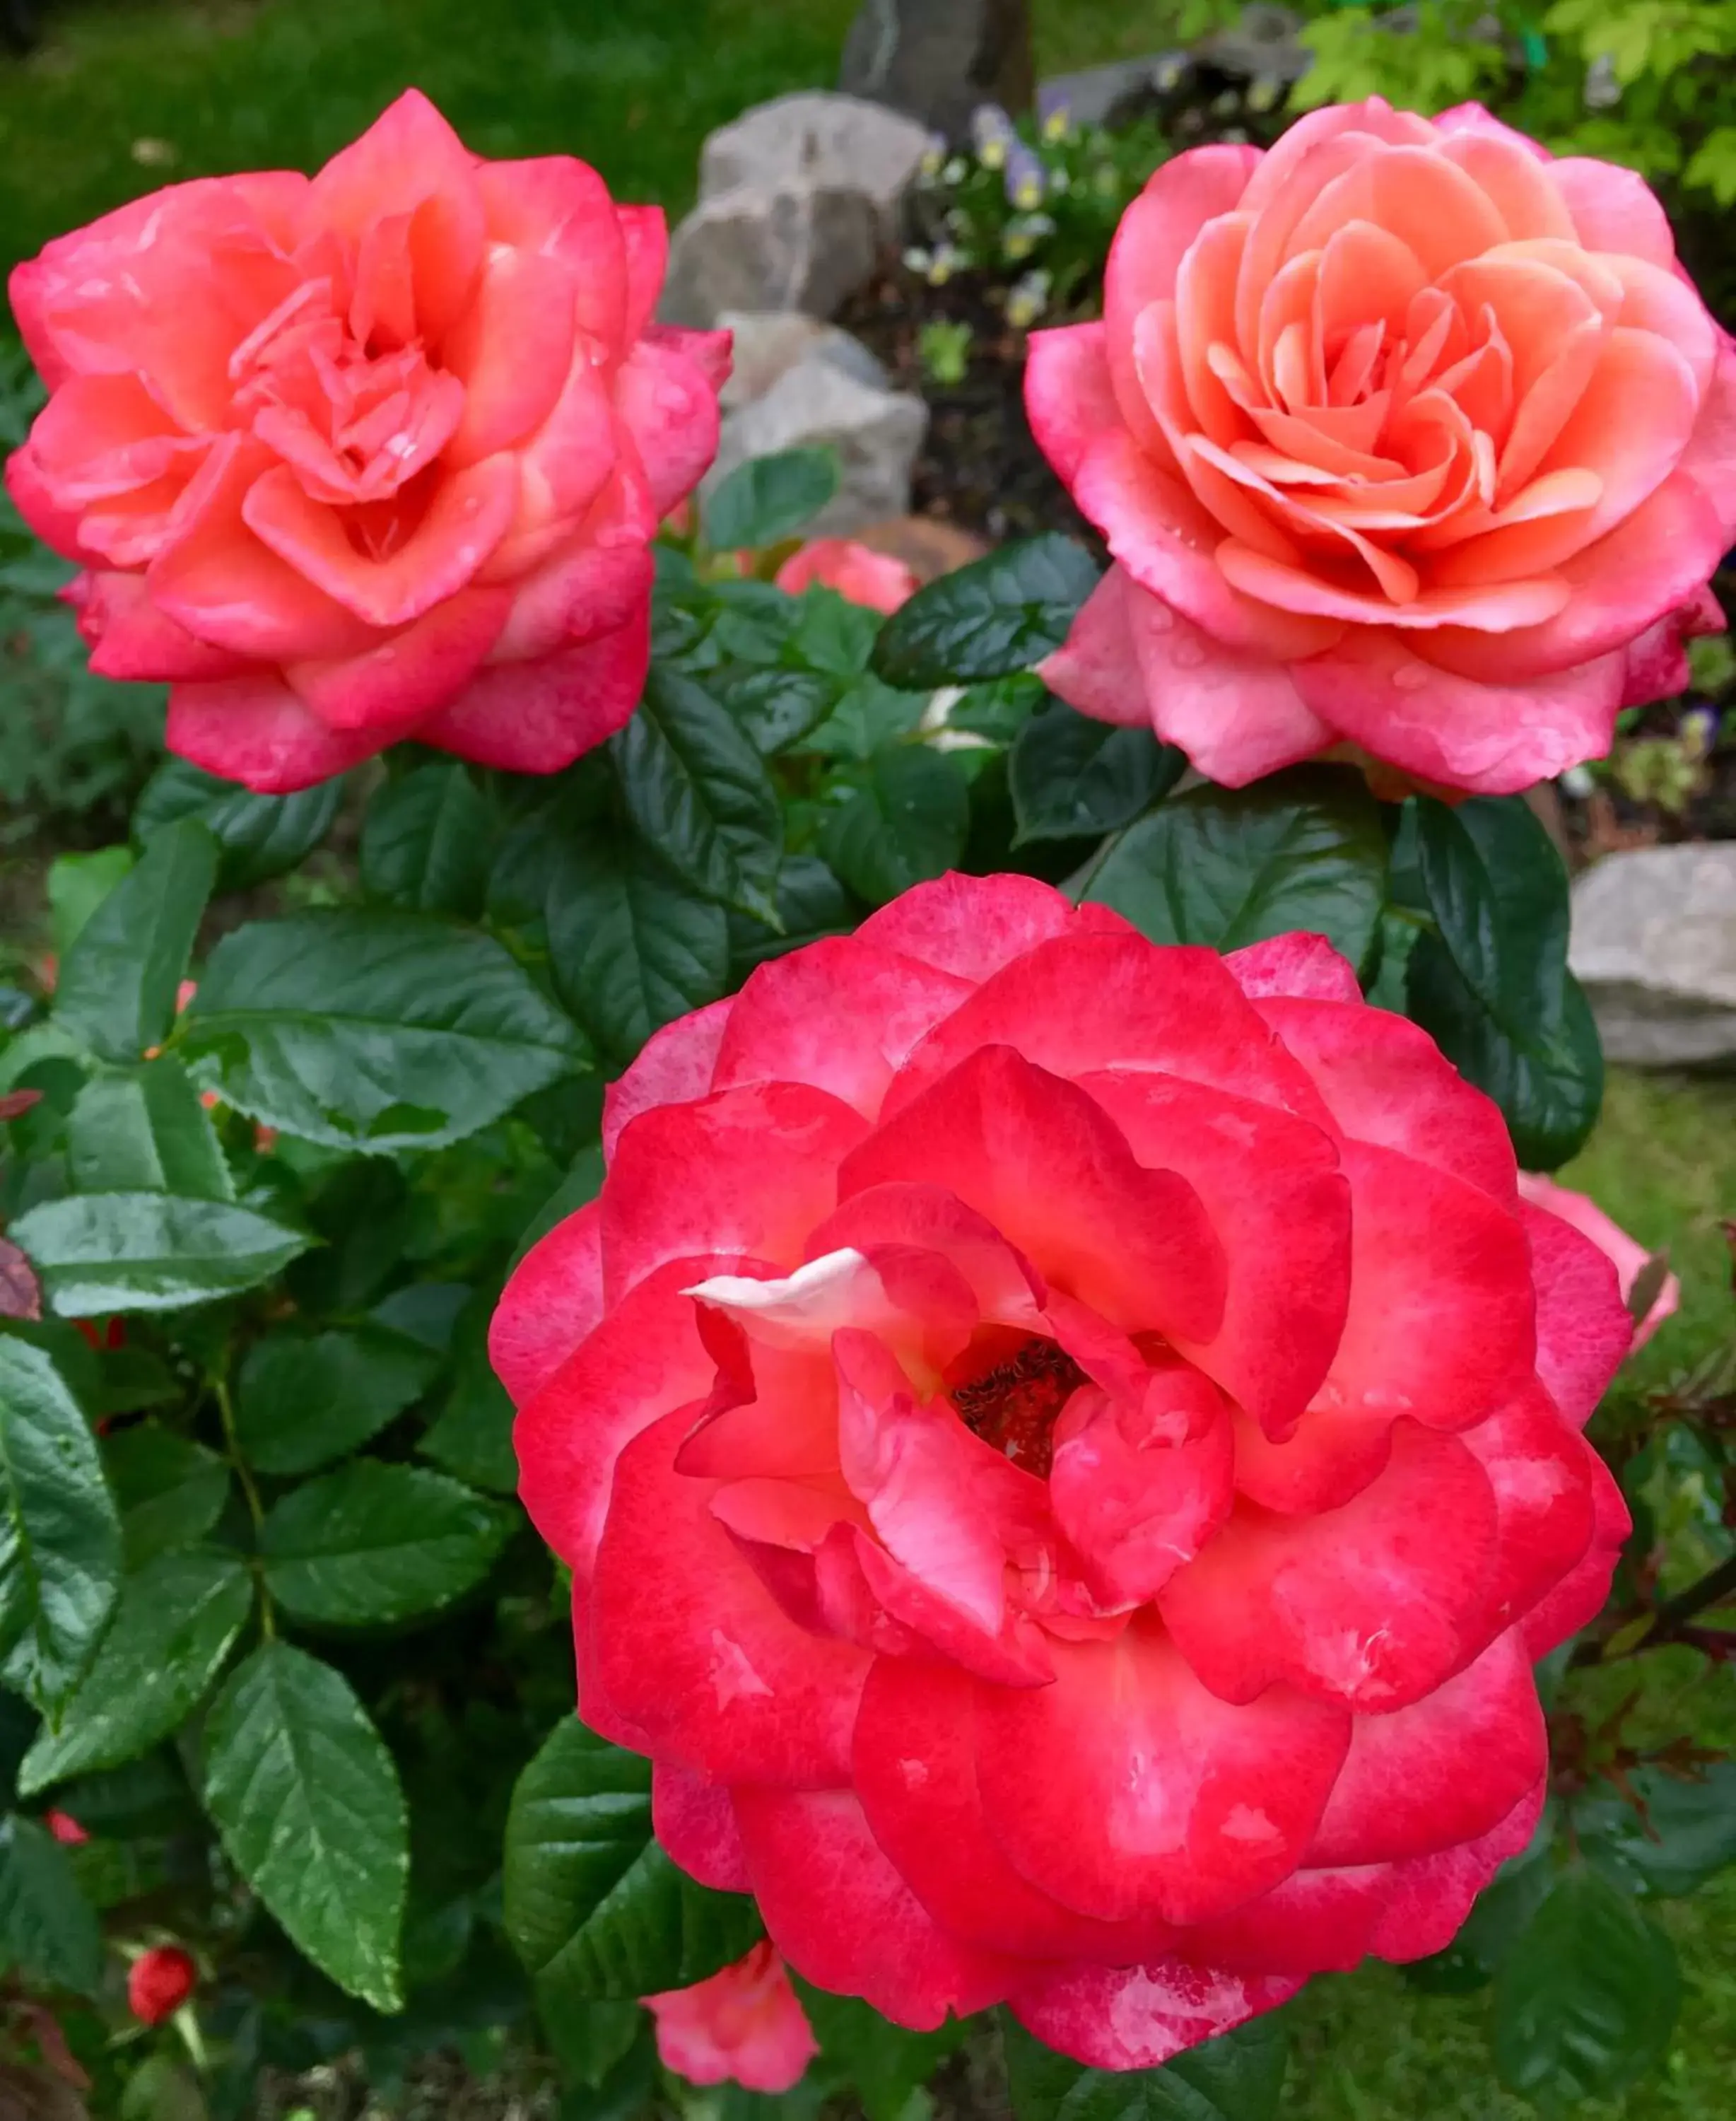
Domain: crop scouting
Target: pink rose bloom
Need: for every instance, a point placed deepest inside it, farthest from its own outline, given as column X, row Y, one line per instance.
column 1404, row 435
column 375, row 454
column 744, row 2026
column 856, row 571
column 1068, row 1451
column 1629, row 1258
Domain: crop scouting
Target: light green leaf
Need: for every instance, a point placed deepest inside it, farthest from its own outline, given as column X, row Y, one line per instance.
column 118, row 982
column 306, row 1799
column 372, row 1544
column 591, row 1902
column 59, row 1535
column 178, row 1620
column 302, row 1400
column 374, row 1030
column 98, row 1252
column 146, row 1132
column 769, row 499
column 47, row 1927
column 78, row 885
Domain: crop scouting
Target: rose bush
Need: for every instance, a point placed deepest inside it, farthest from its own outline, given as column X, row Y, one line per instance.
column 1402, row 435
column 742, row 2026
column 369, row 456
column 1068, row 1452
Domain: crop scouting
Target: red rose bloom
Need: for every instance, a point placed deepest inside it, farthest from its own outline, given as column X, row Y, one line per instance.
column 158, row 1983
column 1068, row 1451
column 374, row 454
column 744, row 2026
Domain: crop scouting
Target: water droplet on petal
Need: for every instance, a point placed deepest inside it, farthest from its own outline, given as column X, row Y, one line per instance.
column 1187, row 653
column 1159, row 617
column 1411, row 677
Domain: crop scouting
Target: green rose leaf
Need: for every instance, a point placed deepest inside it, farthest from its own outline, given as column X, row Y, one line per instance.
column 1586, row 1999
column 374, row 1030
column 306, row 1799
column 60, row 1546
column 777, row 708
column 1224, row 868
column 1550, row 1087
column 632, row 949
column 302, row 1399
column 698, row 793
column 1682, row 1832
column 1072, row 777
column 178, row 1620
column 118, row 982
column 771, row 499
column 98, row 1252
column 47, row 1927
column 372, row 1544
column 907, row 822
column 169, row 1490
column 78, row 885
column 882, row 2064
column 1238, row 2076
column 998, row 615
column 471, row 1438
column 259, row 836
column 146, row 1132
column 591, row 1902
column 1497, row 888
column 425, row 843
column 811, row 902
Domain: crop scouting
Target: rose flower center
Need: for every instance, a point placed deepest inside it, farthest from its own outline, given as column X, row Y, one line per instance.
column 1014, row 1403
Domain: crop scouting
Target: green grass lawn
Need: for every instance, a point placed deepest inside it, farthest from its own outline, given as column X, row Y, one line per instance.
column 125, row 95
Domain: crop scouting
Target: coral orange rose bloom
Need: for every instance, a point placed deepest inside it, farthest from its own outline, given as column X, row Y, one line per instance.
column 374, row 454
column 1403, row 435
column 1068, row 1451
column 856, row 571
column 745, row 2025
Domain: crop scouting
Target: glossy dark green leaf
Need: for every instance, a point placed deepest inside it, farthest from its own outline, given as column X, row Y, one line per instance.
column 870, row 716
column 1550, row 1087
column 1586, row 1999
column 1498, row 889
column 60, row 1546
column 811, row 902
column 832, row 634
column 698, row 793
column 1226, row 868
column 775, row 707
column 178, row 1619
column 377, row 1030
column 304, row 1399
column 471, row 1438
column 1680, row 1833
column 98, row 1252
column 1238, row 2076
column 425, row 843
column 306, row 1799
column 590, row 1900
column 582, row 1183
column 907, row 822
column 1072, row 777
column 372, row 1544
column 260, row 837
column 118, row 982
column 169, row 1490
column 146, row 1132
column 47, row 1928
column 632, row 948
column 769, row 499
column 995, row 616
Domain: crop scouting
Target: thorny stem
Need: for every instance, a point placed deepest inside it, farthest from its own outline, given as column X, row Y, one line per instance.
column 1669, row 1622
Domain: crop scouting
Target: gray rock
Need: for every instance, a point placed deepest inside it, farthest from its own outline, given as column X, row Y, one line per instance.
column 768, row 342
column 1654, row 946
column 798, row 198
column 876, row 433
column 1113, row 95
column 939, row 59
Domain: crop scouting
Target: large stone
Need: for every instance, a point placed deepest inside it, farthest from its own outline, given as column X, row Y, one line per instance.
column 767, row 343
column 1265, row 45
column 1654, row 946
column 875, row 432
column 939, row 59
column 798, row 199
